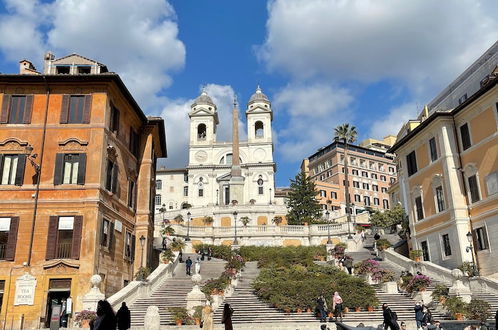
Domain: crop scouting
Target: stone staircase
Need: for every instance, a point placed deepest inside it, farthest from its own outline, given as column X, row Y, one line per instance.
column 173, row 292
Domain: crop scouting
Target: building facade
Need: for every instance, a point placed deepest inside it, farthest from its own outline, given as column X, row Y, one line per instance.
column 77, row 164
column 371, row 173
column 448, row 177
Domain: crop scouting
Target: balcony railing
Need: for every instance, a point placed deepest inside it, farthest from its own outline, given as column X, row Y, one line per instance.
column 64, row 250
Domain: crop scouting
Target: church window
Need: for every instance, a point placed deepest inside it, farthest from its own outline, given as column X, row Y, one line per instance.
column 259, row 129
column 201, row 132
column 260, row 185
column 201, row 188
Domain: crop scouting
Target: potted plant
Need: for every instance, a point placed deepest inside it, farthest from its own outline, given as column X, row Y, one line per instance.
column 418, row 283
column 383, row 244
column 142, row 274
column 178, row 218
column 468, row 269
column 167, row 231
column 179, row 314
column 277, row 220
column 339, row 249
column 167, row 256
column 207, row 220
column 440, row 293
column 478, row 310
column 416, row 255
column 197, row 315
column 252, row 201
column 245, row 220
column 83, row 318
column 456, row 307
column 177, row 245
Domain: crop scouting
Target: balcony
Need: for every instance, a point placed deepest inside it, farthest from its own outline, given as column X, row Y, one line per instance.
column 64, row 250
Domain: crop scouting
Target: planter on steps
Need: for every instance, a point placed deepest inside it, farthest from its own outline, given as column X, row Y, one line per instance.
column 390, row 287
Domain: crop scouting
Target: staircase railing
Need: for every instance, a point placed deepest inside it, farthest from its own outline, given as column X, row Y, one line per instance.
column 139, row 289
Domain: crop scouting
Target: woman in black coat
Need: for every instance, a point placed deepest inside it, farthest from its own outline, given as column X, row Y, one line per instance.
column 106, row 319
column 227, row 317
column 390, row 320
column 123, row 317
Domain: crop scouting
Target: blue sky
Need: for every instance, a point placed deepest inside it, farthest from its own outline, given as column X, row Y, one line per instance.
column 322, row 62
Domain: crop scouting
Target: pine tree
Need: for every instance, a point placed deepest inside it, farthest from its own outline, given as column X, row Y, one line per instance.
column 301, row 202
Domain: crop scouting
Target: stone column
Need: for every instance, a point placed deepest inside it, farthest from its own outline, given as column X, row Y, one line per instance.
column 93, row 296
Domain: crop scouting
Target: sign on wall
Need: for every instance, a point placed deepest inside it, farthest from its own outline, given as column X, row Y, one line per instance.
column 4, row 224
column 25, row 290
column 118, row 226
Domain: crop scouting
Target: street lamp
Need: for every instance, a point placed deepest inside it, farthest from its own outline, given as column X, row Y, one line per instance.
column 217, row 198
column 162, row 210
column 470, row 249
column 327, row 214
column 270, row 196
column 235, row 241
column 142, row 243
column 188, row 227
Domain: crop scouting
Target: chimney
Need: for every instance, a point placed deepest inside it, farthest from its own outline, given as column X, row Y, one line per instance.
column 49, row 57
column 26, row 67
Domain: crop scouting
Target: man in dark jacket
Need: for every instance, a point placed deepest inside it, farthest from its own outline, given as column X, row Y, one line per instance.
column 419, row 315
column 348, row 263
column 124, row 317
column 390, row 318
column 188, row 266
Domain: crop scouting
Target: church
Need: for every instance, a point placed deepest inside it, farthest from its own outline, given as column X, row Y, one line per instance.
column 223, row 176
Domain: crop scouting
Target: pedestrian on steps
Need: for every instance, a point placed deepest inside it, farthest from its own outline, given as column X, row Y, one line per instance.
column 337, row 306
column 390, row 318
column 419, row 315
column 123, row 317
column 188, row 266
column 197, row 266
column 348, row 263
column 322, row 308
column 427, row 318
column 207, row 317
column 106, row 319
column 227, row 317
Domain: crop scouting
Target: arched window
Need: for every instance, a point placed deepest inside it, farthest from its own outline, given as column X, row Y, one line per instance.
column 260, row 185
column 201, row 132
column 259, row 129
column 226, row 160
column 201, row 187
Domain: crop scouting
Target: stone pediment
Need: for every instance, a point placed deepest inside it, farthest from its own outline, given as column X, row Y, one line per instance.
column 14, row 145
column 60, row 263
column 73, row 144
column 224, row 177
column 201, row 112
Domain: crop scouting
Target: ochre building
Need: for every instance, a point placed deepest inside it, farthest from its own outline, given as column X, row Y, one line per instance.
column 77, row 169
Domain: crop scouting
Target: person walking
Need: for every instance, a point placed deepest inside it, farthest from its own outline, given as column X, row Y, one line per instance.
column 188, row 266
column 427, row 317
column 106, row 319
column 197, row 266
column 210, row 253
column 419, row 315
column 337, row 306
column 227, row 317
column 207, row 317
column 322, row 308
column 390, row 318
column 348, row 263
column 123, row 317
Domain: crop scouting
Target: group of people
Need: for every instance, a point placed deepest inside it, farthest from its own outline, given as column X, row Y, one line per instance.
column 346, row 262
column 337, row 307
column 423, row 318
column 205, row 253
column 108, row 320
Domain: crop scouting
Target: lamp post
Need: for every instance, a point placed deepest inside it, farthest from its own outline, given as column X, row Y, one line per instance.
column 327, row 214
column 470, row 249
column 188, row 227
column 162, row 210
column 270, row 196
column 142, row 244
column 217, row 198
column 235, row 241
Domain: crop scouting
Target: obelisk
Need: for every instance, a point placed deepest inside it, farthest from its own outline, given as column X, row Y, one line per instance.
column 236, row 180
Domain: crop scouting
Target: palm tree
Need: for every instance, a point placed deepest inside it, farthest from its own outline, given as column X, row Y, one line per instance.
column 347, row 134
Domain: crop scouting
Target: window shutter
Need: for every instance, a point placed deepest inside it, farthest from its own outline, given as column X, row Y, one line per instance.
column 4, row 116
column 87, row 108
column 65, row 109
column 59, row 167
column 114, row 181
column 111, row 239
column 28, row 109
column 52, row 237
column 1, row 164
column 116, row 121
column 10, row 251
column 133, row 238
column 21, row 165
column 101, row 240
column 82, row 169
column 76, row 243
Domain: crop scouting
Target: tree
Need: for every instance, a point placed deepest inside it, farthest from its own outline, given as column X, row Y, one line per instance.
column 389, row 218
column 301, row 202
column 207, row 220
column 347, row 134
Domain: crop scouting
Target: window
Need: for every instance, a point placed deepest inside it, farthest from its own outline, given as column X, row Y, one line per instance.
column 201, row 132
column 375, row 187
column 159, row 184
column 473, row 188
column 366, row 200
column 12, row 169
column 114, row 126
column 324, row 206
column 357, row 198
column 129, row 252
column 373, row 176
column 158, row 200
column 356, row 184
column 465, row 135
column 71, row 164
column 104, row 237
column 462, row 98
column 134, row 142
column 333, row 194
column 366, row 186
column 383, row 178
column 411, row 161
column 76, row 106
column 16, row 109
column 425, row 251
column 62, row 69
column 323, row 193
column 200, row 191
column 355, row 172
column 492, row 183
column 364, row 174
column 185, row 191
column 260, row 187
column 70, row 169
column 440, row 198
column 391, row 170
column 132, row 194
column 385, row 203
column 8, row 238
column 185, row 177
column 481, row 238
column 376, row 201
column 84, row 69
column 111, row 183
column 446, row 245
column 419, row 211
column 64, row 237
column 383, row 190
column 433, row 149
column 258, row 129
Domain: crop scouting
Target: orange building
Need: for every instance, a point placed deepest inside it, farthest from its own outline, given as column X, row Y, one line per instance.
column 77, row 166
column 371, row 172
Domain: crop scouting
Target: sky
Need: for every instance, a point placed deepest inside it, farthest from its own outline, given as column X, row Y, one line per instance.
column 370, row 63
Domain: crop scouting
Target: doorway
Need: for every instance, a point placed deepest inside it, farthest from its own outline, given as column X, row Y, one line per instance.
column 58, row 293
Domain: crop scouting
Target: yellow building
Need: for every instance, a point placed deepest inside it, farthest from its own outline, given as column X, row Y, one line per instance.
column 77, row 168
column 448, row 179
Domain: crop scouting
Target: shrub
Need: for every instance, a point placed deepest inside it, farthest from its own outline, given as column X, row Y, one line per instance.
column 440, row 291
column 383, row 244
column 384, row 275
column 142, row 274
column 218, row 284
column 368, row 266
column 219, row 251
column 281, row 256
column 168, row 230
column 84, row 315
column 455, row 305
column 180, row 314
column 177, row 245
column 207, row 220
column 478, row 310
column 339, row 249
column 468, row 269
column 198, row 312
column 418, row 283
column 235, row 262
column 167, row 255
column 415, row 254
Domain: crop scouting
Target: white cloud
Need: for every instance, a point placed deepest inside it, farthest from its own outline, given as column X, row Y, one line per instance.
column 136, row 39
column 423, row 43
column 312, row 112
column 396, row 117
column 175, row 114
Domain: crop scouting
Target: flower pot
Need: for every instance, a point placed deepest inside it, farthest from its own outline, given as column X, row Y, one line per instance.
column 459, row 316
column 422, row 289
column 442, row 300
column 85, row 324
column 330, row 314
column 299, row 310
column 287, row 311
column 370, row 308
column 308, row 310
column 197, row 321
column 178, row 322
column 418, row 259
column 165, row 261
column 357, row 309
column 346, row 309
